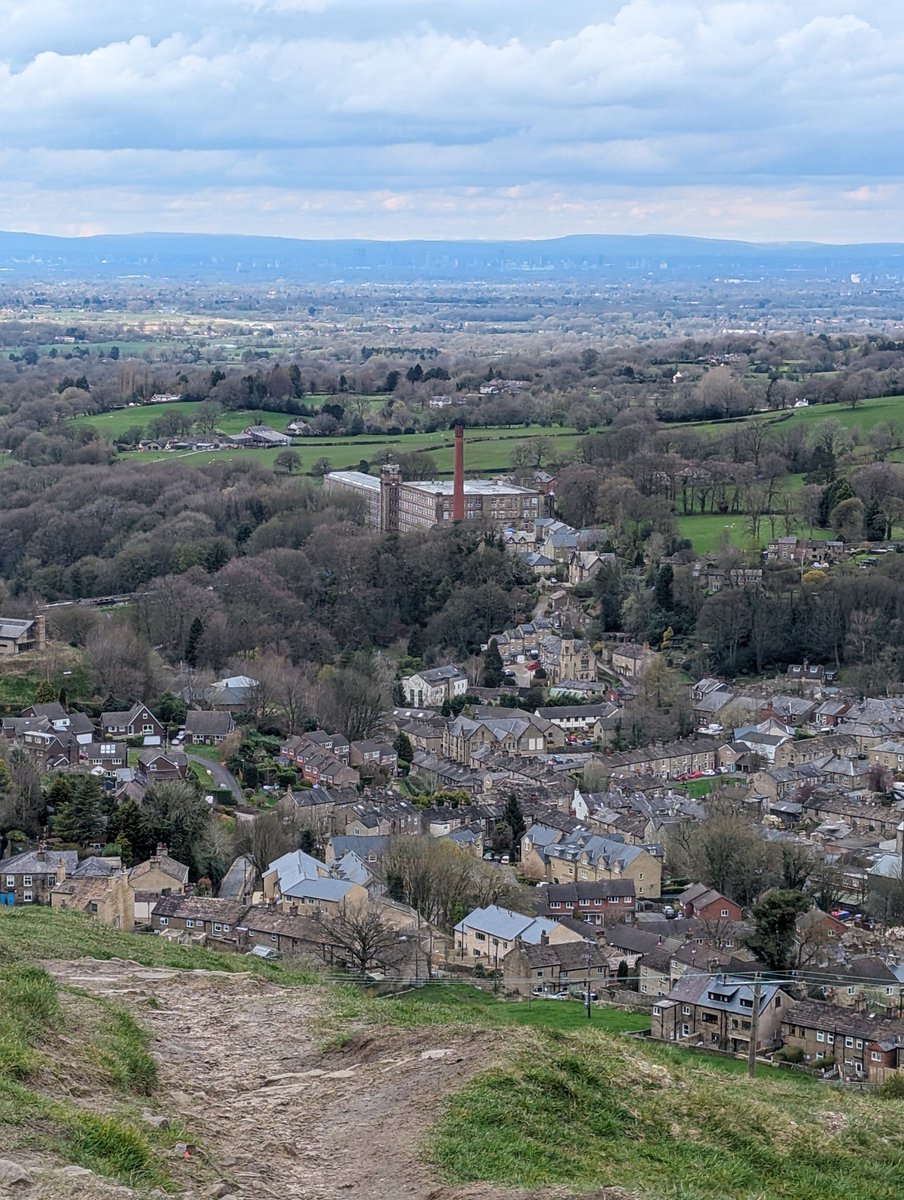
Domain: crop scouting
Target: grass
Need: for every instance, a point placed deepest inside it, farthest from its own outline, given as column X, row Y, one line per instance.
column 664, row 1125
column 20, row 676
column 44, row 933
column 461, row 1002
column 211, row 753
column 51, row 1038
column 113, row 424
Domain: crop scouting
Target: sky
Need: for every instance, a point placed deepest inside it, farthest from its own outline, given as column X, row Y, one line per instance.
column 767, row 121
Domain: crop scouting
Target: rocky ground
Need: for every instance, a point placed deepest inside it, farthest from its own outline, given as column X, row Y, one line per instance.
column 271, row 1112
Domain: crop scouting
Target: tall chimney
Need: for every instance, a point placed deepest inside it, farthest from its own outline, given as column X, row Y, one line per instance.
column 458, row 487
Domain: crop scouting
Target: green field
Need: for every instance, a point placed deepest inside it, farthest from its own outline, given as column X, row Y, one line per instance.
column 113, row 424
column 460, row 1001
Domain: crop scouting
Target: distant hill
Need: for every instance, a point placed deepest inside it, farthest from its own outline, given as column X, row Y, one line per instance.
column 604, row 256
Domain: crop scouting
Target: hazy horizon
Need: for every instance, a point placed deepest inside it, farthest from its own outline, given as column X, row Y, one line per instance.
column 414, row 120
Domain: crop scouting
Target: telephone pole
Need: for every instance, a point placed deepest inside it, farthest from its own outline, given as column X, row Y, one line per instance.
column 754, row 1027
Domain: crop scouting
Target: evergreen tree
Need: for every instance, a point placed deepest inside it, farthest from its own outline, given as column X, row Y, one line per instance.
column 193, row 641
column 62, row 698
column 492, row 665
column 775, row 921
column 80, row 819
column 875, row 522
column 662, row 590
column 403, row 748
column 415, row 648
column 129, row 829
column 514, row 818
column 45, row 693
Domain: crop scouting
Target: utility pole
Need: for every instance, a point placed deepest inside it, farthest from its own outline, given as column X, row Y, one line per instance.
column 754, row 1027
column 588, row 1002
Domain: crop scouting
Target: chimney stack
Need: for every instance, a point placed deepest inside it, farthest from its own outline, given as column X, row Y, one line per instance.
column 458, row 487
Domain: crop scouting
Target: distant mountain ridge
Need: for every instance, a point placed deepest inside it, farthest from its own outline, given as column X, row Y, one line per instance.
column 607, row 256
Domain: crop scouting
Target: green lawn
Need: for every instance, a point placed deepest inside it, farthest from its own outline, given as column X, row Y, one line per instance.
column 113, row 424
column 461, row 1001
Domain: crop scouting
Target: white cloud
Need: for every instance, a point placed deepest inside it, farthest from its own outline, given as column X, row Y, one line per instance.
column 416, row 101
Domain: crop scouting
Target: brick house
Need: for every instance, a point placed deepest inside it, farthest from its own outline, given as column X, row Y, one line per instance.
column 594, row 902
column 862, row 1045
column 110, row 756
column 370, row 756
column 717, row 1010
column 698, row 900
column 139, row 721
column 157, row 766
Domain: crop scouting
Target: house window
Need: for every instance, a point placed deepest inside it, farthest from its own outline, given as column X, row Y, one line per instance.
column 723, row 912
column 597, row 903
column 226, row 928
column 217, row 928
column 686, row 1010
column 481, row 937
column 163, row 920
column 820, row 1036
column 26, row 897
column 640, row 876
column 848, row 1041
column 147, row 728
column 273, row 937
column 657, row 1011
column 189, row 924
column 685, row 1030
column 10, row 881
column 859, row 1044
column 851, row 991
column 26, row 881
column 555, row 904
column 876, row 1056
column 830, row 1038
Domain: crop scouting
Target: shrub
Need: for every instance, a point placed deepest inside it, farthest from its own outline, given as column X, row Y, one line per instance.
column 892, row 1088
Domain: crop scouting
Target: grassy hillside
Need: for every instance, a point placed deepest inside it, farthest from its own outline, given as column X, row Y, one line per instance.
column 20, row 676
column 590, row 1110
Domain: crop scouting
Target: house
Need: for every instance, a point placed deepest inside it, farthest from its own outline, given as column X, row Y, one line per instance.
column 488, row 934
column 108, row 756
column 581, row 856
column 139, row 721
column 594, row 722
column 567, row 658
column 435, row 686
column 290, row 934
column 199, row 916
column 717, row 1011
column 576, row 967
column 370, row 756
column 501, row 730
column 704, row 902
column 301, row 881
column 155, row 766
column 594, row 902
column 204, row 728
column 54, row 713
column 150, row 879
column 860, row 1044
column 106, row 897
column 631, row 660
column 21, row 636
column 30, row 877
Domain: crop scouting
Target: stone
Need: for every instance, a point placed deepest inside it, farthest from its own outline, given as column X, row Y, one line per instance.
column 216, row 1191
column 154, row 1120
column 14, row 1176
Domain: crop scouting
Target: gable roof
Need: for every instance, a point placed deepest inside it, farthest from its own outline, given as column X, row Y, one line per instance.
column 505, row 924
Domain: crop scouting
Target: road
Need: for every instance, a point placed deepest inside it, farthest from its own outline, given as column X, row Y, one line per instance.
column 220, row 777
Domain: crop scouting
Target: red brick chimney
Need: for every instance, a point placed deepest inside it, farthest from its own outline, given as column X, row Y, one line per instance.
column 458, row 486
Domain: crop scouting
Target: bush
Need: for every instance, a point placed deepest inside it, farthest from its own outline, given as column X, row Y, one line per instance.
column 892, row 1088
column 790, row 1054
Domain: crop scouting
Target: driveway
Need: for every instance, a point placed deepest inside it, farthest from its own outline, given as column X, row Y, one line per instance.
column 219, row 776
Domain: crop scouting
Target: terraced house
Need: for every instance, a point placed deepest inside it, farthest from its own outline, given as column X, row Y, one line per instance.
column 583, row 856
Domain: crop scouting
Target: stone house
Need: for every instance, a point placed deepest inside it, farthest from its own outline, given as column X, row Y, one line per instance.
column 21, row 636
column 200, row 917
column 150, row 879
column 631, row 660
column 432, row 687
column 488, row 934
column 717, row 1011
column 861, row 1044
column 30, row 877
column 554, row 967
column 583, row 856
column 108, row 898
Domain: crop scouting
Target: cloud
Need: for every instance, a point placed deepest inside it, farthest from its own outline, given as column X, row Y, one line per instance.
column 412, row 102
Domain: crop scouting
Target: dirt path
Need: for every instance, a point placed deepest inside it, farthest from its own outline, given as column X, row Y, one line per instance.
column 241, row 1064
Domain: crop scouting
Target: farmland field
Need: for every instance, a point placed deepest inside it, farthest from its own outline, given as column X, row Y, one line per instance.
column 114, row 424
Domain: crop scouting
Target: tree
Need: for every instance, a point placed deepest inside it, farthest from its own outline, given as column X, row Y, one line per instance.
column 193, row 641
column 513, row 817
column 492, row 665
column 288, row 461
column 45, row 693
column 81, row 818
column 362, row 933
column 797, row 864
column 774, row 919
column 263, row 840
column 725, row 851
column 177, row 816
column 403, row 747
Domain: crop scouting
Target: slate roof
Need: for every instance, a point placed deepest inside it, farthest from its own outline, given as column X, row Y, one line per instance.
column 723, row 993
column 200, row 908
column 505, row 924
column 830, row 1018
column 40, row 862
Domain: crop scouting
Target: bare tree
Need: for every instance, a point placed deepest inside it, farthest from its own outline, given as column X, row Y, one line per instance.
column 262, row 840
column 361, row 932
